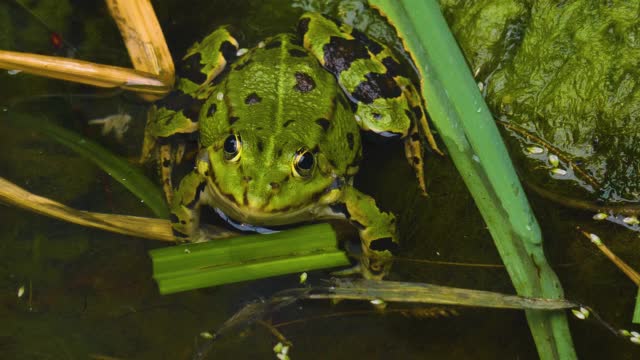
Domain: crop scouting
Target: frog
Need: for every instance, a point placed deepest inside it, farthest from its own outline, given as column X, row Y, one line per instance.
column 278, row 129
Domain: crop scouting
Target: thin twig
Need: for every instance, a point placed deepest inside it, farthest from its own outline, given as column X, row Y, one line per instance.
column 624, row 267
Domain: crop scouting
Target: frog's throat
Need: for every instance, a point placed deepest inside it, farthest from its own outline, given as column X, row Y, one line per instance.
column 249, row 215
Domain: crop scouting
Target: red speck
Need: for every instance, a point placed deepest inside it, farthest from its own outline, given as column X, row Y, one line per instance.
column 56, row 40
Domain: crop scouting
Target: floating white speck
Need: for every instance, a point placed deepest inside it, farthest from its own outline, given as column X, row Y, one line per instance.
column 241, row 52
column 635, row 340
column 553, row 160
column 303, row 278
column 578, row 314
column 600, row 216
column 634, row 334
column 631, row 220
column 358, row 120
column 377, row 302
column 585, row 312
column 535, row 150
column 558, row 171
column 206, row 335
column 475, row 158
column 187, row 251
column 595, row 239
column 261, row 44
column 13, row 72
column 220, row 96
column 480, row 85
column 20, row 291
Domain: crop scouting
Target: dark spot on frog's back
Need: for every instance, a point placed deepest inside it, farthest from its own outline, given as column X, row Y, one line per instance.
column 298, row 53
column 191, row 69
column 376, row 86
column 212, row 110
column 393, row 67
column 303, row 26
column 384, row 244
column 233, row 119
column 324, row 123
column 178, row 101
column 252, row 98
column 260, row 146
column 339, row 53
column 304, row 82
column 350, row 140
column 273, row 44
column 228, row 51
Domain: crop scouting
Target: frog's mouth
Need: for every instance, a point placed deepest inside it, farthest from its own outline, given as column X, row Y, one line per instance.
column 244, row 214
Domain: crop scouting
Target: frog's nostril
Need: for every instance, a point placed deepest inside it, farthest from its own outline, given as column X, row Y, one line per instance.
column 274, row 186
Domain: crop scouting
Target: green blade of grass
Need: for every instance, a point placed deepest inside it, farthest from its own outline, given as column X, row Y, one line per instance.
column 474, row 144
column 192, row 266
column 119, row 169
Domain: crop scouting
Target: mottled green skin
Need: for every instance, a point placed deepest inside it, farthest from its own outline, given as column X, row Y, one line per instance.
column 280, row 100
column 287, row 123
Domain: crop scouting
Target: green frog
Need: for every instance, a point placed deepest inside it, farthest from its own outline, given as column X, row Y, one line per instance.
column 278, row 131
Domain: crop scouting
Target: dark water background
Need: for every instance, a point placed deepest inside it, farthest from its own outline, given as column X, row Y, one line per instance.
column 90, row 293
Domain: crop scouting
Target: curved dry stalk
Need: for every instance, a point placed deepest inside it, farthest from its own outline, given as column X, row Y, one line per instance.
column 148, row 228
column 142, row 227
column 143, row 37
column 83, row 72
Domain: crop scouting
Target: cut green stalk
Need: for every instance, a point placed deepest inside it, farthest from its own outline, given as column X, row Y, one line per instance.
column 474, row 143
column 192, row 266
column 636, row 310
column 119, row 169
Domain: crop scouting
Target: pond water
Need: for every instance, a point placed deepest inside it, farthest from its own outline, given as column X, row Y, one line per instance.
column 89, row 293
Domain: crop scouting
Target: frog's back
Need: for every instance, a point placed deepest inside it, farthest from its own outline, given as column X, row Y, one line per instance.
column 279, row 93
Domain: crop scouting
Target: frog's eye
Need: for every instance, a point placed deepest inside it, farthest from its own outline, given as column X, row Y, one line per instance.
column 303, row 163
column 232, row 148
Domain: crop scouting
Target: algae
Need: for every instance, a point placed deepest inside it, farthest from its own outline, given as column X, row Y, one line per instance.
column 565, row 72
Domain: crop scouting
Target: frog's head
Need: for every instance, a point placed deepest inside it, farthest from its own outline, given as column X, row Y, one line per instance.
column 259, row 178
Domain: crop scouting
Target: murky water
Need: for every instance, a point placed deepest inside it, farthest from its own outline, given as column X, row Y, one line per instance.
column 89, row 293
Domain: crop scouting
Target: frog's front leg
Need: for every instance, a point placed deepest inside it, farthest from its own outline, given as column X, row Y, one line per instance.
column 377, row 229
column 185, row 207
column 179, row 112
